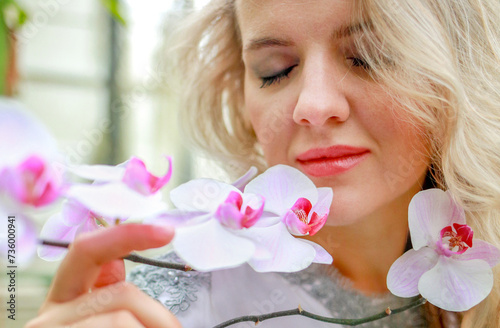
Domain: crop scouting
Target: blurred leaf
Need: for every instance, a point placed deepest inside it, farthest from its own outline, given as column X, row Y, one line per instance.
column 4, row 55
column 115, row 9
column 22, row 16
column 13, row 14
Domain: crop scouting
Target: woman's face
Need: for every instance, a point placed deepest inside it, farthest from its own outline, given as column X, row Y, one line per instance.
column 308, row 95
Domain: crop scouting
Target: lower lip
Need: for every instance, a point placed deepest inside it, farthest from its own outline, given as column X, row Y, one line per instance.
column 332, row 166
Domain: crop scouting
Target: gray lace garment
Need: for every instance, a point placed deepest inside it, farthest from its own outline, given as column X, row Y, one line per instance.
column 180, row 292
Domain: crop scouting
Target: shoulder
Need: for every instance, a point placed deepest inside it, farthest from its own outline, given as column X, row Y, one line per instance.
column 175, row 289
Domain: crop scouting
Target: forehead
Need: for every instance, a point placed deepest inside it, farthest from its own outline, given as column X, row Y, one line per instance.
column 297, row 18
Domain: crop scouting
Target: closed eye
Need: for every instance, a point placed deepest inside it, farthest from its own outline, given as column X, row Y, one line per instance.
column 358, row 62
column 270, row 80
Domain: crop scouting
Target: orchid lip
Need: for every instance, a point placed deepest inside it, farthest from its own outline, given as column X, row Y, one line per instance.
column 330, row 152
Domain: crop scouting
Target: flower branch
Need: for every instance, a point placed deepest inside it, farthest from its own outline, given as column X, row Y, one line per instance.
column 300, row 311
column 259, row 318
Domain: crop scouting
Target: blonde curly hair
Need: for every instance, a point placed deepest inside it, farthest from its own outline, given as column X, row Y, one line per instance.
column 440, row 59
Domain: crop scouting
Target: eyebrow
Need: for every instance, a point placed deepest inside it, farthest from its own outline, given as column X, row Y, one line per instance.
column 348, row 30
column 343, row 31
column 257, row 44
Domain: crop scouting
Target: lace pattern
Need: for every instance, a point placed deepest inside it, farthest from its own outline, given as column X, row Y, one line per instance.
column 334, row 291
column 182, row 287
column 324, row 283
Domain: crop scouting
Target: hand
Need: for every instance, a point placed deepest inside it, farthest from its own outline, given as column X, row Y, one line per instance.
column 93, row 264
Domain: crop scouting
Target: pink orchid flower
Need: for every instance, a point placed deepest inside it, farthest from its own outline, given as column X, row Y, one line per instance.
column 118, row 193
column 446, row 265
column 27, row 180
column 132, row 173
column 233, row 214
column 108, row 203
column 32, row 182
column 293, row 206
column 208, row 217
column 27, row 177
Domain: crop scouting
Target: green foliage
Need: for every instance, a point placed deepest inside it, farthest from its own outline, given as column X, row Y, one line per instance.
column 115, row 9
column 13, row 16
column 4, row 55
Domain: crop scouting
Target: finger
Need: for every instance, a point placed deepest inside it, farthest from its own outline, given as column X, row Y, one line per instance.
column 112, row 298
column 122, row 319
column 80, row 268
column 111, row 273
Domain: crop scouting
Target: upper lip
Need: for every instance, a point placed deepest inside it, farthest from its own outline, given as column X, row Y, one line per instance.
column 330, row 152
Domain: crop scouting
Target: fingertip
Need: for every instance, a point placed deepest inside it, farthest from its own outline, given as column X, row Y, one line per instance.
column 164, row 232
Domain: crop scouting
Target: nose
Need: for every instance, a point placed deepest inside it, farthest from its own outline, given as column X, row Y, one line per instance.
column 322, row 97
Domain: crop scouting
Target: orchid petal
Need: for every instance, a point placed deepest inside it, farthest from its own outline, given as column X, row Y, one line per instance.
column 325, row 197
column 32, row 182
column 406, row 271
column 253, row 207
column 55, row 229
column 322, row 256
column 429, row 211
column 295, row 225
column 138, row 178
column 303, row 205
column 317, row 222
column 229, row 216
column 267, row 219
column 456, row 285
column 481, row 251
column 289, row 254
column 99, row 173
column 74, row 213
column 242, row 181
column 178, row 218
column 281, row 186
column 261, row 253
column 465, row 232
column 209, row 246
column 201, row 195
column 115, row 200
column 319, row 212
column 87, row 226
column 21, row 135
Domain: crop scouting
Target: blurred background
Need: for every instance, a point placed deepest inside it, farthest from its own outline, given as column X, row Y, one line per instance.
column 92, row 72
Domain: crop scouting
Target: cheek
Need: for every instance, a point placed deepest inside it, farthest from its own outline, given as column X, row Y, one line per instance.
column 404, row 150
column 270, row 124
column 393, row 128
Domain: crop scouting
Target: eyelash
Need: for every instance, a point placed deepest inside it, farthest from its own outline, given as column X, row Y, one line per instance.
column 270, row 80
column 358, row 62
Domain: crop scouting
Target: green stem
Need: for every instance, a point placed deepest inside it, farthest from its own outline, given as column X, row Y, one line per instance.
column 300, row 311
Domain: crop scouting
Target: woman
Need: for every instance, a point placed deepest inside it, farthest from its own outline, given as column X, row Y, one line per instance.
column 407, row 92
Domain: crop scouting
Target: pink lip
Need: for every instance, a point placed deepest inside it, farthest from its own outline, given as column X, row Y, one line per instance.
column 333, row 160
